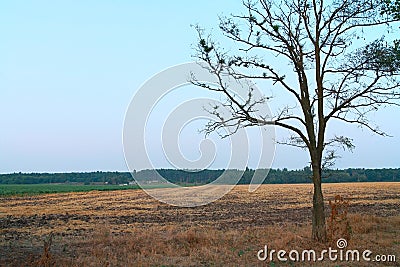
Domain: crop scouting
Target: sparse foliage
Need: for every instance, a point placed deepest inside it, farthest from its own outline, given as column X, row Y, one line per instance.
column 335, row 70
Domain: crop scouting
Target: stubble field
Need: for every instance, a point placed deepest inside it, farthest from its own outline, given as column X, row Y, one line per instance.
column 129, row 228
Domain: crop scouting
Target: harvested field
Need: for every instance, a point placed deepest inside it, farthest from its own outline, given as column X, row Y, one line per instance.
column 129, row 227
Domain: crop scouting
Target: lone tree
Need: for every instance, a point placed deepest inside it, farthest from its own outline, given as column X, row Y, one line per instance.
column 335, row 71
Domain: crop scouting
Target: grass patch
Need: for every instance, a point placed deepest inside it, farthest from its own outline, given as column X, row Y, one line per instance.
column 37, row 189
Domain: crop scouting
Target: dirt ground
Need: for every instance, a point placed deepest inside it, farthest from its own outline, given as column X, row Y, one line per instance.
column 73, row 221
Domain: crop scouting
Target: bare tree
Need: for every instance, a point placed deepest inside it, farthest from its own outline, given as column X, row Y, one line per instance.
column 338, row 73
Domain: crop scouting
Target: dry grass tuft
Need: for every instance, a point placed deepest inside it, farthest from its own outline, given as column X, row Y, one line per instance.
column 338, row 225
column 46, row 259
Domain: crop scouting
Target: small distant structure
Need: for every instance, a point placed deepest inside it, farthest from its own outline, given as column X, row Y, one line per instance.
column 153, row 182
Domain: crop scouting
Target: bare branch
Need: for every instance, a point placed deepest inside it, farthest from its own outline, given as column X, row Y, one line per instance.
column 347, row 83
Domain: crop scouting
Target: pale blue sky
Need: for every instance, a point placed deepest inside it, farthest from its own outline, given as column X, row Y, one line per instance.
column 68, row 70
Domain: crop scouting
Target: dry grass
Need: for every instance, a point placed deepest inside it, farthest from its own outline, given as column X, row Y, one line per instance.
column 128, row 228
column 205, row 246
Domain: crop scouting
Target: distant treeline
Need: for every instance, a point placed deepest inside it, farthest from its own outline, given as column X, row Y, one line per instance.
column 275, row 176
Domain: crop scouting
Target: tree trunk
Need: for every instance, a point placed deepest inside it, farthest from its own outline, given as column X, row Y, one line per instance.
column 318, row 210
